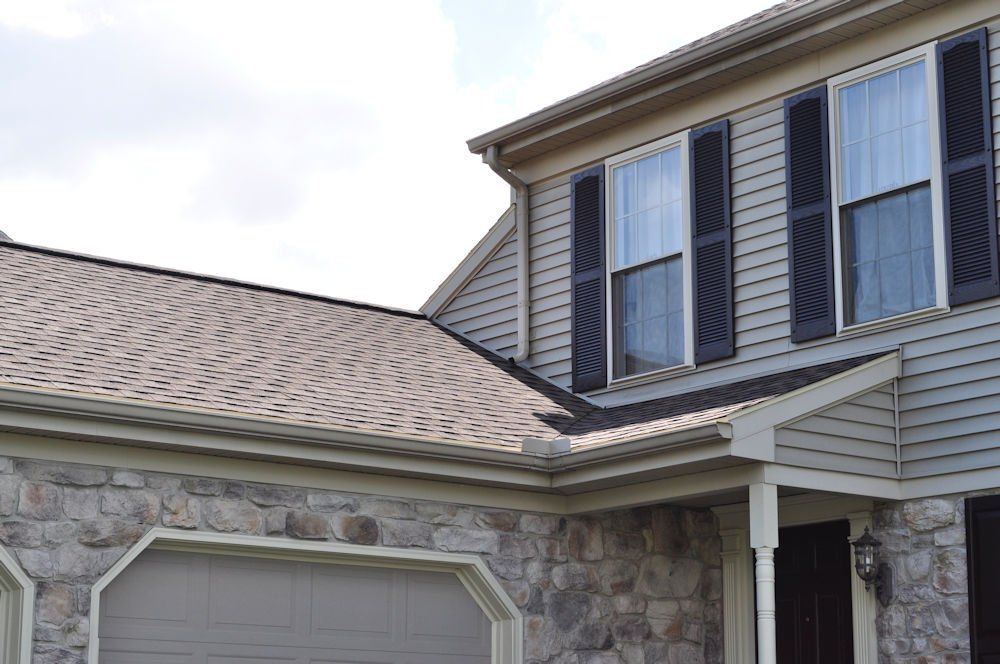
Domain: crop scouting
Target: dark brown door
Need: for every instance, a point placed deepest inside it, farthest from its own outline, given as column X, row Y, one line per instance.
column 983, row 526
column 813, row 594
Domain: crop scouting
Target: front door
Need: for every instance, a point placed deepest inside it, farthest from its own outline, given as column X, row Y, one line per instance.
column 813, row 594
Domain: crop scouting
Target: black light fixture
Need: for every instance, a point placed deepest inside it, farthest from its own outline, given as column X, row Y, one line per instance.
column 871, row 570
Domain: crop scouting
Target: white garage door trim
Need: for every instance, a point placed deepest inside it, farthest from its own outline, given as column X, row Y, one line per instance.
column 17, row 605
column 471, row 571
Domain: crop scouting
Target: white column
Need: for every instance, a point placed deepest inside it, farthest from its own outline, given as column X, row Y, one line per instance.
column 764, row 540
column 863, row 607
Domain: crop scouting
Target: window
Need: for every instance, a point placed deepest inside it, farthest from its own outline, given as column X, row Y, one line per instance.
column 649, row 231
column 889, row 246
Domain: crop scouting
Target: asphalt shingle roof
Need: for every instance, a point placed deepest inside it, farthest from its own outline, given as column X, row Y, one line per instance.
column 97, row 327
column 100, row 327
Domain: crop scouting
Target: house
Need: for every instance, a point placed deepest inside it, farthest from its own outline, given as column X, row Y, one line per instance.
column 734, row 346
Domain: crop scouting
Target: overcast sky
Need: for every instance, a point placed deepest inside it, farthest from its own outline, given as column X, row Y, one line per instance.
column 313, row 145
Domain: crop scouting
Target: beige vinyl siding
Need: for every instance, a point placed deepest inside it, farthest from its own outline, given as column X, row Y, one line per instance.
column 950, row 393
column 857, row 436
column 550, row 282
column 485, row 309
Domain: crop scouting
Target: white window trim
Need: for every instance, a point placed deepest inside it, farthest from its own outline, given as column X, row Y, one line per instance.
column 17, row 602
column 679, row 140
column 508, row 629
column 928, row 55
column 738, row 577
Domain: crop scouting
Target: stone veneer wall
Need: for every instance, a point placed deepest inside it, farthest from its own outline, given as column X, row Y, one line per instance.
column 638, row 586
column 927, row 621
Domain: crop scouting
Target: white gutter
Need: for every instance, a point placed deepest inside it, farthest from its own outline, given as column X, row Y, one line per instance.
column 492, row 159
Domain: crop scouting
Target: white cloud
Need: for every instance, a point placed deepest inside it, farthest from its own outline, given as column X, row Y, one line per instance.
column 317, row 145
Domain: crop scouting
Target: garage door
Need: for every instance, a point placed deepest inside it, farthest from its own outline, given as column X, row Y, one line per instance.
column 174, row 608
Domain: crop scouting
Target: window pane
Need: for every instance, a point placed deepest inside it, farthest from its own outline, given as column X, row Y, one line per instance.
column 670, row 169
column 884, row 137
column 649, row 320
column 675, row 285
column 919, row 201
column 625, row 241
column 893, row 226
column 889, row 271
column 866, row 293
column 853, row 113
column 654, row 343
column 887, row 161
column 650, row 234
column 856, row 167
column 675, row 339
column 864, row 233
column 673, row 228
column 913, row 93
column 648, row 177
column 883, row 102
column 633, row 348
column 923, row 278
column 896, row 290
column 624, row 190
column 916, row 153
column 631, row 293
column 654, row 290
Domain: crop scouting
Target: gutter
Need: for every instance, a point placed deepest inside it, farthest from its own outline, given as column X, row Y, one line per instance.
column 492, row 159
column 113, row 420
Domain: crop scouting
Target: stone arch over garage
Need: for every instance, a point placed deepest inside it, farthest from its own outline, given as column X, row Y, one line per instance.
column 17, row 601
column 507, row 626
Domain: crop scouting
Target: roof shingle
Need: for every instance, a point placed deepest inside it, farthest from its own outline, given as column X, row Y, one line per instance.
column 99, row 327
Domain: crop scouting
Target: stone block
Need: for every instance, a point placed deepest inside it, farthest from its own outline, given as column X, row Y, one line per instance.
column 267, row 495
column 466, row 540
column 81, row 503
column 182, row 511
column 39, row 501
column 136, row 504
column 306, row 525
column 398, row 532
column 231, row 516
column 356, row 529
column 331, row 502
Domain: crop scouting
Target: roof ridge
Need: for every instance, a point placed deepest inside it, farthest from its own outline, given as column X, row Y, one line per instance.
column 208, row 278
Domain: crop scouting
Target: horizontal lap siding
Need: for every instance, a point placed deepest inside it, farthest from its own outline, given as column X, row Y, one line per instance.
column 485, row 310
column 550, row 282
column 950, row 393
column 857, row 436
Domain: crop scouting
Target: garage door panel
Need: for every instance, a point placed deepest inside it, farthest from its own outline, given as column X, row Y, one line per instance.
column 450, row 617
column 246, row 594
column 192, row 608
column 353, row 602
column 172, row 580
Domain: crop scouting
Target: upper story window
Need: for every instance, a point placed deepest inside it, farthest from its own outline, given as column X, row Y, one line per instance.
column 650, row 283
column 889, row 242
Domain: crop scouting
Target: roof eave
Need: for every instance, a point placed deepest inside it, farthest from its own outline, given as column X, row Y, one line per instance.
column 615, row 89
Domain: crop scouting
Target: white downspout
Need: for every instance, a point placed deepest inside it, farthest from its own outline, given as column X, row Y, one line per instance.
column 492, row 159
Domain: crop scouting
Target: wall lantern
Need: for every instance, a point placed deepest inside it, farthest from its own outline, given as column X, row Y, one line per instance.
column 870, row 569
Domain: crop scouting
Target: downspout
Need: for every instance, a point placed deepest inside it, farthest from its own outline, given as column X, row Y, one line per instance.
column 492, row 159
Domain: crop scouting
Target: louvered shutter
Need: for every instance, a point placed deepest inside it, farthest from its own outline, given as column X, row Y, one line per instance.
column 809, row 221
column 590, row 358
column 712, row 252
column 966, row 150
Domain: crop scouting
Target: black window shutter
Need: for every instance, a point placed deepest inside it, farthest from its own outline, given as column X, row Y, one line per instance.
column 982, row 523
column 712, row 250
column 589, row 288
column 809, row 221
column 967, row 155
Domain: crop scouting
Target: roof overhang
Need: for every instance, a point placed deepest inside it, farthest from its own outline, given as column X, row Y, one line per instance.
column 742, row 438
column 800, row 29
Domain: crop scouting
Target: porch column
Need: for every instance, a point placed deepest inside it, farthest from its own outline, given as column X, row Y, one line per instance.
column 764, row 540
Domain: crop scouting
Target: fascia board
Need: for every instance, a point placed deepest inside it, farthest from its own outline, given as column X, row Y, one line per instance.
column 812, row 398
column 470, row 265
column 113, row 420
column 110, row 420
column 678, row 456
column 632, row 447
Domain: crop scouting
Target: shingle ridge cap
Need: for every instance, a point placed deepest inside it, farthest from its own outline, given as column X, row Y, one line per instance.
column 209, row 278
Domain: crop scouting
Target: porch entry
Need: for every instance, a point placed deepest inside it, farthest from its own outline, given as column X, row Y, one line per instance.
column 813, row 594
